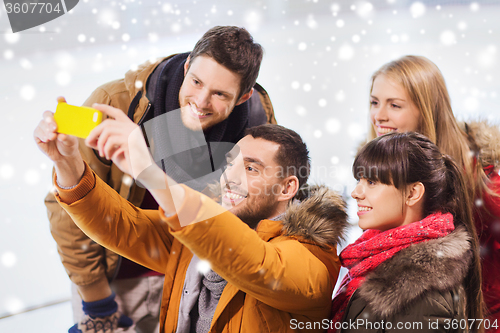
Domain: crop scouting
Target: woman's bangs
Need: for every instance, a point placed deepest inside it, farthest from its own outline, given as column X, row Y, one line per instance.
column 371, row 164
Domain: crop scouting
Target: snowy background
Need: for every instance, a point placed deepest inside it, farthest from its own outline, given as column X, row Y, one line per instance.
column 319, row 58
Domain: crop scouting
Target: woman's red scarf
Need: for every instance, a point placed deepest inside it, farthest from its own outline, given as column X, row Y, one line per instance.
column 374, row 247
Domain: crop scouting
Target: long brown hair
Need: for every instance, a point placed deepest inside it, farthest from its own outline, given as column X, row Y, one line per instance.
column 401, row 159
column 425, row 85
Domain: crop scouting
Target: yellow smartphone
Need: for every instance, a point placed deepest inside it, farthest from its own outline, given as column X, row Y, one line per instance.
column 76, row 120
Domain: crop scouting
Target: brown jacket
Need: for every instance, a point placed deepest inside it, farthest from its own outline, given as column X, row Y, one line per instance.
column 420, row 289
column 85, row 261
column 275, row 274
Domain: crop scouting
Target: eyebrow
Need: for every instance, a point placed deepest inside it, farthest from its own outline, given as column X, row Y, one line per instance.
column 253, row 160
column 217, row 90
column 389, row 99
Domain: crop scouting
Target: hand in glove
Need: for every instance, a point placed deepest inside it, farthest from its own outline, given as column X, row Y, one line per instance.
column 101, row 317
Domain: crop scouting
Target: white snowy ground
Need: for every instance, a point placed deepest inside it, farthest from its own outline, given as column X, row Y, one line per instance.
column 318, row 61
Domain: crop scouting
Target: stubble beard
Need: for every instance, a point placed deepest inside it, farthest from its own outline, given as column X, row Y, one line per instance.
column 252, row 214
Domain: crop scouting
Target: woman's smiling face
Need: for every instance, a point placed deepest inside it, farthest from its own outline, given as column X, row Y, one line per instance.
column 379, row 205
column 391, row 109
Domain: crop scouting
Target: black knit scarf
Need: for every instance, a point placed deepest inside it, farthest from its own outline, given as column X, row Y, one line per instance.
column 185, row 155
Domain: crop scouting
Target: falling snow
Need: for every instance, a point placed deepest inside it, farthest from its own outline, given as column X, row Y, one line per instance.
column 323, row 54
column 203, row 267
column 8, row 259
column 32, row 177
column 333, row 125
column 346, row 52
column 417, row 9
column 448, row 37
column 27, row 92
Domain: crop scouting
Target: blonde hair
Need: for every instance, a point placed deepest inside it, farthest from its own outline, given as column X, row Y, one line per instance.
column 425, row 85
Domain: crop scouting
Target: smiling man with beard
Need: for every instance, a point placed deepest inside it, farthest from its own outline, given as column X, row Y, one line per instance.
column 194, row 100
column 273, row 260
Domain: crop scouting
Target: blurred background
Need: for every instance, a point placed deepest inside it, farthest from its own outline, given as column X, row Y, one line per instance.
column 319, row 56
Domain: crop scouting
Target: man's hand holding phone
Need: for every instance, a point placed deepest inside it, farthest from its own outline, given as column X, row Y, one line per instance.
column 62, row 149
column 55, row 145
column 116, row 138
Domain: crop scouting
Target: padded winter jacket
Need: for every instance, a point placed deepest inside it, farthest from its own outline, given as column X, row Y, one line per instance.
column 420, row 289
column 284, row 271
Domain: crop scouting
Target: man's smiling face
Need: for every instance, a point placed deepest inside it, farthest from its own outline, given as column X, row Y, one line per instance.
column 252, row 181
column 208, row 93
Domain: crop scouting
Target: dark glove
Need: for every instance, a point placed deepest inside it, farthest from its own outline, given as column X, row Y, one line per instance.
column 101, row 317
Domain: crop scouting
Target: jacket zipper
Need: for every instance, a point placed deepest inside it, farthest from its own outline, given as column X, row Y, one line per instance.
column 145, row 114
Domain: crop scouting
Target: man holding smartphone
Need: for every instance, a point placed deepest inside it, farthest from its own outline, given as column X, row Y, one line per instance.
column 268, row 263
column 209, row 94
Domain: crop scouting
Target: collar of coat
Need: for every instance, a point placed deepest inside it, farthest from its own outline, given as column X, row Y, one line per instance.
column 318, row 217
column 487, row 140
column 436, row 265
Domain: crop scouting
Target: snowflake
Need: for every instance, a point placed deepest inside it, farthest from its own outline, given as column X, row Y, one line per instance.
column 356, row 131
column 8, row 54
column 9, row 259
column 340, row 96
column 203, row 267
column 25, row 64
column 301, row 111
column 474, row 6
column 417, row 9
column 364, row 9
column 448, row 38
column 63, row 78
column 27, row 92
column 346, row 52
column 333, row 126
column 12, row 38
column 6, row 171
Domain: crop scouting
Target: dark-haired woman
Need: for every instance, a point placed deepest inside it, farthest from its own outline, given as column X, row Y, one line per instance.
column 416, row 267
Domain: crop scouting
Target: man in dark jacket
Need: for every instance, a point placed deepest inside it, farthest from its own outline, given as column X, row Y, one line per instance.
column 209, row 94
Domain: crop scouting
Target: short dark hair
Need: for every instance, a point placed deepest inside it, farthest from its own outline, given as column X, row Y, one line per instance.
column 233, row 48
column 292, row 155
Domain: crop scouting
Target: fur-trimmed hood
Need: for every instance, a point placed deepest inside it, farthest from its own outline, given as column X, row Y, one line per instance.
column 485, row 138
column 439, row 264
column 317, row 215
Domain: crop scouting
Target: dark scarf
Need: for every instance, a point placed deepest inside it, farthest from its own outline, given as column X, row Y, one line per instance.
column 374, row 247
column 183, row 154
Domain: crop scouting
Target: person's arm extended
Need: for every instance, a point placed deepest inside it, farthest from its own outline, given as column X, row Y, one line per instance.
column 81, row 257
column 116, row 224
